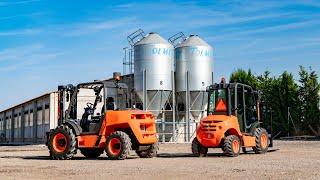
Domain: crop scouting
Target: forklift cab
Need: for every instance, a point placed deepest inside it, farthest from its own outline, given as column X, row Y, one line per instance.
column 88, row 103
column 235, row 99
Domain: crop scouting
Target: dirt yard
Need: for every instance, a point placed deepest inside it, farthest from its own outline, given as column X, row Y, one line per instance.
column 287, row 160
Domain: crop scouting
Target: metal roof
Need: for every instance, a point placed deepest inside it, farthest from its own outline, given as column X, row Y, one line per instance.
column 193, row 40
column 27, row 101
column 153, row 38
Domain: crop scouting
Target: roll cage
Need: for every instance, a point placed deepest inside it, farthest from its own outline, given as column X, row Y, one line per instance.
column 236, row 99
column 68, row 94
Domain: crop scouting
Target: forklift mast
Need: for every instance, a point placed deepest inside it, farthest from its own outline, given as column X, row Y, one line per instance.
column 68, row 94
column 64, row 94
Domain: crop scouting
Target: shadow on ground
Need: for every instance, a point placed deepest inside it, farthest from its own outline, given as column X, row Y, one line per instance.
column 160, row 155
column 48, row 158
column 74, row 158
column 182, row 155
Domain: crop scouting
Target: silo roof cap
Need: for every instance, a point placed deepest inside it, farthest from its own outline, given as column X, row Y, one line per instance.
column 153, row 38
column 193, row 40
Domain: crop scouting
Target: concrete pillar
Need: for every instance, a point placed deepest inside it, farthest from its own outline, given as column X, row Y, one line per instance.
column 23, row 119
column 12, row 125
column 35, row 114
column 43, row 120
column 5, row 125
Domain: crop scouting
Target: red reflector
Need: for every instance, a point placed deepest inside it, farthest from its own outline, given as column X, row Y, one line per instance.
column 221, row 106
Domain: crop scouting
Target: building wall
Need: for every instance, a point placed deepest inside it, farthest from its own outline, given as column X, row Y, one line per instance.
column 2, row 127
column 28, row 122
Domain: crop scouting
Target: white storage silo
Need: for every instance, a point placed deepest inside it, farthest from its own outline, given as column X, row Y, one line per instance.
column 153, row 68
column 194, row 63
column 193, row 73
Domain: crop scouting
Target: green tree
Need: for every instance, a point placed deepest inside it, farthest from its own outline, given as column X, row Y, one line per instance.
column 242, row 76
column 282, row 95
column 288, row 103
column 309, row 96
column 266, row 85
column 279, row 94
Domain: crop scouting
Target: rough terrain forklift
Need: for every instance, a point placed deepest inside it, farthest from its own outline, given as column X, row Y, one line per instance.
column 97, row 120
column 233, row 121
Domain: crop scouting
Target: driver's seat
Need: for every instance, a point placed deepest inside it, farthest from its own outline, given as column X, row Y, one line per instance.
column 85, row 123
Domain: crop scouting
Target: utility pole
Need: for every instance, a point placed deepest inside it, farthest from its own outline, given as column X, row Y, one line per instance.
column 271, row 130
column 288, row 121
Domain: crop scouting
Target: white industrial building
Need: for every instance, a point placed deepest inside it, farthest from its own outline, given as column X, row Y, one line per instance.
column 27, row 123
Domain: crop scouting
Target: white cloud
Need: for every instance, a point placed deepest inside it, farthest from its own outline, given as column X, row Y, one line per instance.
column 24, row 56
column 29, row 61
column 74, row 29
column 20, row 32
column 283, row 27
column 16, row 53
column 93, row 27
column 8, row 3
column 240, row 33
column 125, row 6
column 232, row 19
column 29, row 15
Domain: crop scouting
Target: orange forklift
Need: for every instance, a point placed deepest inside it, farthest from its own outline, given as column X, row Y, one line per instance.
column 97, row 120
column 233, row 121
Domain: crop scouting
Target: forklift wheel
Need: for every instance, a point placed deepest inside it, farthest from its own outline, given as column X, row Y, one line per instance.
column 62, row 143
column 262, row 141
column 231, row 146
column 118, row 145
column 197, row 149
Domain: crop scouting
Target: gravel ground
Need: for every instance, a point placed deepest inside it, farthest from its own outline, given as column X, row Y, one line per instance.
column 287, row 160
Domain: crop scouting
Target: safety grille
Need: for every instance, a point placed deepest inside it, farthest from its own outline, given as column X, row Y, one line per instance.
column 209, row 125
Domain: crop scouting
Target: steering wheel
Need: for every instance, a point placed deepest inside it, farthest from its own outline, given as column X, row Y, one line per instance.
column 89, row 105
column 89, row 109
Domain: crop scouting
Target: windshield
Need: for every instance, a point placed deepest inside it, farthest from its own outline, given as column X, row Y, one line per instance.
column 116, row 96
column 217, row 101
column 99, row 100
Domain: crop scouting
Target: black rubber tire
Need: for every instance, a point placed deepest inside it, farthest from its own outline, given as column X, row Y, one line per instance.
column 258, row 149
column 228, row 147
column 92, row 153
column 149, row 153
column 125, row 145
column 71, row 148
column 197, row 149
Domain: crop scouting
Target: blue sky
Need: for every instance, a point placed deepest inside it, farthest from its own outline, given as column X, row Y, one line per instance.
column 44, row 43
